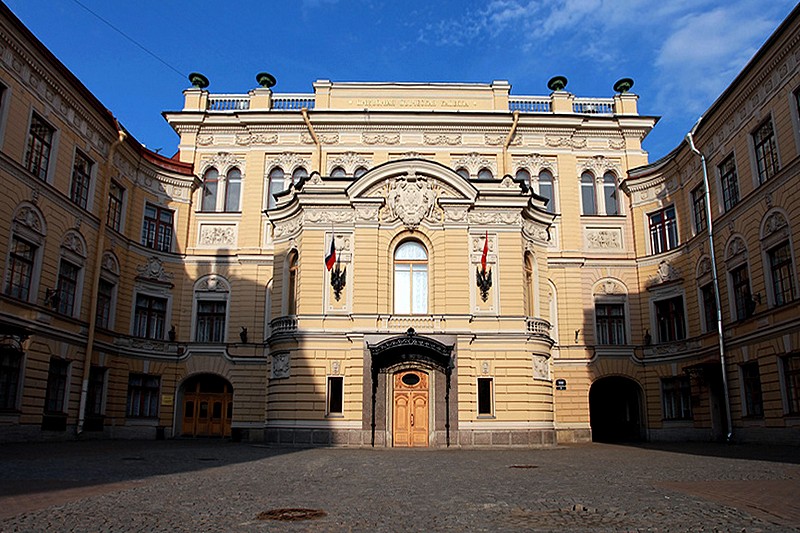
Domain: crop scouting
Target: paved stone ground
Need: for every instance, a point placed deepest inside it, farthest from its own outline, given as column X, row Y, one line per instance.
column 214, row 486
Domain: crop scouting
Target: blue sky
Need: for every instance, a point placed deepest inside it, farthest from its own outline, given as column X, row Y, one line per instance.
column 681, row 54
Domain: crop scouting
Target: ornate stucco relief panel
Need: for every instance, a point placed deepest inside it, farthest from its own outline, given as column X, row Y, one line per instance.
column 216, row 235
column 602, row 238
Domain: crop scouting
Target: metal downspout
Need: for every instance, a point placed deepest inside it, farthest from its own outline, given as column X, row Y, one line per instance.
column 304, row 112
column 508, row 140
column 98, row 264
column 720, row 335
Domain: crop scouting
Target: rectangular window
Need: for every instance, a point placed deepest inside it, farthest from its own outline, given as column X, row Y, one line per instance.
column 335, row 395
column 210, row 321
column 81, row 177
column 610, row 323
column 669, row 319
column 143, row 398
column 699, row 208
column 485, row 397
column 709, row 307
column 20, row 268
column 40, row 141
column 791, row 376
column 740, row 287
column 116, row 195
column 766, row 152
column 94, row 394
column 676, row 398
column 105, row 293
column 67, row 287
column 730, row 183
column 149, row 317
column 157, row 228
column 10, row 367
column 751, row 389
column 663, row 230
column 56, row 392
column 781, row 272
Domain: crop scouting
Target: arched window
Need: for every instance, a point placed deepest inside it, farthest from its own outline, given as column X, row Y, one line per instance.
column 210, row 183
column 463, row 172
column 524, row 176
column 610, row 194
column 588, row 199
column 338, row 172
column 546, row 189
column 291, row 284
column 360, row 171
column 528, row 287
column 410, row 279
column 276, row 184
column 485, row 174
column 233, row 190
column 298, row 174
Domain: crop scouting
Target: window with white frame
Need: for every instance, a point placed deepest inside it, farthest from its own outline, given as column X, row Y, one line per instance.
column 485, row 174
column 81, row 179
column 291, row 285
column 676, row 398
column 157, row 228
column 791, row 383
column 752, row 402
column 610, row 322
column 765, row 150
column 670, row 322
column 39, row 147
column 743, row 304
column 277, row 184
column 663, row 230
column 298, row 174
column 528, row 290
column 67, row 287
column 410, row 279
column 233, row 190
column 105, row 298
column 588, row 195
column 116, row 196
column 610, row 195
column 10, row 372
column 546, row 189
column 463, row 172
column 709, row 302
column 335, row 395
column 55, row 398
column 781, row 273
column 729, row 182
column 150, row 315
column 485, row 397
column 360, row 171
column 21, row 261
column 143, row 396
column 338, row 172
column 221, row 193
column 208, row 200
column 211, row 294
column 699, row 208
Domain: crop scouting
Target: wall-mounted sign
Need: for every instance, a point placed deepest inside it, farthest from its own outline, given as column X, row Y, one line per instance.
column 561, row 384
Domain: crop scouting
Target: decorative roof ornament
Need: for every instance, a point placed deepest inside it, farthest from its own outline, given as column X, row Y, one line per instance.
column 557, row 83
column 198, row 81
column 266, row 80
column 623, row 85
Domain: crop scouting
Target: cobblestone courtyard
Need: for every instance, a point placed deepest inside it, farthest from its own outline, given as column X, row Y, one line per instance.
column 220, row 486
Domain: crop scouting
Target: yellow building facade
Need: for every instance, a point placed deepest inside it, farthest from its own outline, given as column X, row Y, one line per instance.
column 395, row 264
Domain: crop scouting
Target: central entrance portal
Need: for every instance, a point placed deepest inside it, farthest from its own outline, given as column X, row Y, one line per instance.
column 410, row 416
column 207, row 406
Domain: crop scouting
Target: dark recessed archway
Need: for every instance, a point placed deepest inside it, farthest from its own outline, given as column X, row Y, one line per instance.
column 615, row 410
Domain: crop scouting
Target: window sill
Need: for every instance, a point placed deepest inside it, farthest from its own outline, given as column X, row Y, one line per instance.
column 486, row 417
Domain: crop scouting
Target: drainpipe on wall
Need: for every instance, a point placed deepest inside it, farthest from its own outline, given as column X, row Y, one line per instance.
column 98, row 265
column 710, row 226
column 304, row 112
column 506, row 144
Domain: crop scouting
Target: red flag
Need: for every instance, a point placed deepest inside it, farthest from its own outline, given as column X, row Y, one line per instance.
column 330, row 259
column 485, row 252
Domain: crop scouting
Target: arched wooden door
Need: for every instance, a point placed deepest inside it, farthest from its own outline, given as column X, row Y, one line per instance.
column 410, row 414
column 207, row 406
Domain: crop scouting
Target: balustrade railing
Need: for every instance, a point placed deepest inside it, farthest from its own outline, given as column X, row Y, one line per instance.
column 283, row 325
column 228, row 102
column 282, row 102
column 529, row 104
column 538, row 326
column 593, row 106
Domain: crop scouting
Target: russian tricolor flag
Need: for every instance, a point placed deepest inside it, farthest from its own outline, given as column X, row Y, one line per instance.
column 330, row 259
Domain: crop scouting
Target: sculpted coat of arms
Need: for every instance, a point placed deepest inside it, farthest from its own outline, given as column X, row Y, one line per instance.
column 412, row 199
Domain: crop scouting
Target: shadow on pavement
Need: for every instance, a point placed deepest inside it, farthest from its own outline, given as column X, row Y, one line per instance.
column 752, row 452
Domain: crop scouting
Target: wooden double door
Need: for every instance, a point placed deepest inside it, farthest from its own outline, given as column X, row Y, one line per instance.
column 410, row 422
column 207, row 408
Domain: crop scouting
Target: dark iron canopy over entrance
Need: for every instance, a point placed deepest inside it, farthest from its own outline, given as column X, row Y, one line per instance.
column 411, row 348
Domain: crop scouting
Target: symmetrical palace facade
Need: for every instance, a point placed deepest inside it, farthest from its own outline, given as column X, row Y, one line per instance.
column 398, row 264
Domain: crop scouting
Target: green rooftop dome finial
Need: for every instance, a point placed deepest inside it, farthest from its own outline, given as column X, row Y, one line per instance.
column 198, row 80
column 557, row 83
column 623, row 85
column 266, row 80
